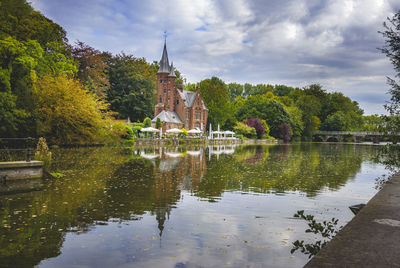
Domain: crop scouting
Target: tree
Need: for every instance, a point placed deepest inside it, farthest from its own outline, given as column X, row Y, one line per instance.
column 216, row 98
column 92, row 68
column 24, row 62
column 257, row 124
column 159, row 124
column 391, row 49
column 11, row 118
column 263, row 107
column 66, row 113
column 147, row 122
column 335, row 122
column 285, row 133
column 19, row 20
column 310, row 107
column 132, row 86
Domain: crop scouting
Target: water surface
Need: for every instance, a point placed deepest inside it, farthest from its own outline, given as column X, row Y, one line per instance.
column 219, row 206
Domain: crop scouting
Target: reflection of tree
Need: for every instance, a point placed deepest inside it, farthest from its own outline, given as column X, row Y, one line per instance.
column 303, row 167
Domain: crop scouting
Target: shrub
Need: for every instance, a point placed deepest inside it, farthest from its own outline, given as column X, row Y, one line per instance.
column 245, row 130
column 147, row 122
column 257, row 124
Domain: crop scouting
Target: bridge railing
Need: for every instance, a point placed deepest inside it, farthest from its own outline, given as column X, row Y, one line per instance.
column 353, row 133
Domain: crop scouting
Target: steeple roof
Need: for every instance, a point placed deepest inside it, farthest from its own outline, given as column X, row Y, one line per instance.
column 172, row 70
column 164, row 62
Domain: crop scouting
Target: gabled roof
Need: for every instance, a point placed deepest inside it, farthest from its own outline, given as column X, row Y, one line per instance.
column 168, row 117
column 188, row 98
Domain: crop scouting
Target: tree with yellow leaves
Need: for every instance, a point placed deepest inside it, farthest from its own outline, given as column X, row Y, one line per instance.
column 67, row 113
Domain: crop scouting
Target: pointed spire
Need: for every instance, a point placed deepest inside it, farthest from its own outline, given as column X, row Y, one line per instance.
column 172, row 70
column 164, row 62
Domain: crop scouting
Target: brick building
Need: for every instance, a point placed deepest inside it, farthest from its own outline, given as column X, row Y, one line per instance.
column 177, row 108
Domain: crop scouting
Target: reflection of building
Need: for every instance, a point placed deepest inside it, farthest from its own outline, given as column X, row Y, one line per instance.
column 220, row 149
column 176, row 107
column 174, row 170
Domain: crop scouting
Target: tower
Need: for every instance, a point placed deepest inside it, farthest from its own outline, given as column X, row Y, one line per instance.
column 166, row 79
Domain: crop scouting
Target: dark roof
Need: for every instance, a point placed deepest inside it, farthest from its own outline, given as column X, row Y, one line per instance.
column 188, row 98
column 164, row 63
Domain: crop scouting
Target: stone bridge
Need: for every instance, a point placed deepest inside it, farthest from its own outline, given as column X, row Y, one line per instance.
column 356, row 136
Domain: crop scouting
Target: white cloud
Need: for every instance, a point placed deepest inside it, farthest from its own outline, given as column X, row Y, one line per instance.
column 294, row 41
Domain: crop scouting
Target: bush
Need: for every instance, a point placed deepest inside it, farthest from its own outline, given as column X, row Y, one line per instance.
column 245, row 130
column 147, row 122
column 257, row 124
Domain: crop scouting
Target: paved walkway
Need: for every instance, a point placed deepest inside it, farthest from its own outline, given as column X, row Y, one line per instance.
column 371, row 238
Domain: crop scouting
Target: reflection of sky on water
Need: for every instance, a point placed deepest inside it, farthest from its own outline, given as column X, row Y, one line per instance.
column 206, row 207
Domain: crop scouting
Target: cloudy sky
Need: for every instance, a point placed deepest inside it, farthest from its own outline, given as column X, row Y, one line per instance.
column 290, row 42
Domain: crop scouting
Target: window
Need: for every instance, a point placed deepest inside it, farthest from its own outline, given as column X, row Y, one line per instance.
column 160, row 81
column 165, row 90
column 177, row 101
column 204, row 115
column 165, row 81
column 197, row 115
column 160, row 99
column 187, row 114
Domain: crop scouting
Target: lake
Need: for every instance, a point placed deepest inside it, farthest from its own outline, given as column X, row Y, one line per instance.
column 218, row 206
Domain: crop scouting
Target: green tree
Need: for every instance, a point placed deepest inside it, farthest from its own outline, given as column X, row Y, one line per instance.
column 335, row 122
column 11, row 118
column 158, row 123
column 263, row 107
column 391, row 49
column 147, row 122
column 19, row 20
column 132, row 86
column 216, row 98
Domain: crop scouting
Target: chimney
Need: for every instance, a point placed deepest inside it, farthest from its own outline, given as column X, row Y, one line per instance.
column 181, row 86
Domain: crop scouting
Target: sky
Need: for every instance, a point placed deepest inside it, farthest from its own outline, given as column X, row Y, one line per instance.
column 290, row 42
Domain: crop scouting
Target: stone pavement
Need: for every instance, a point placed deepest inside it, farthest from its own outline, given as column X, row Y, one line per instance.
column 371, row 238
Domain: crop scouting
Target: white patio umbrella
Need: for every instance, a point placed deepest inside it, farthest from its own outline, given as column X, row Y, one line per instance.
column 149, row 129
column 174, row 130
column 229, row 132
column 194, row 131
